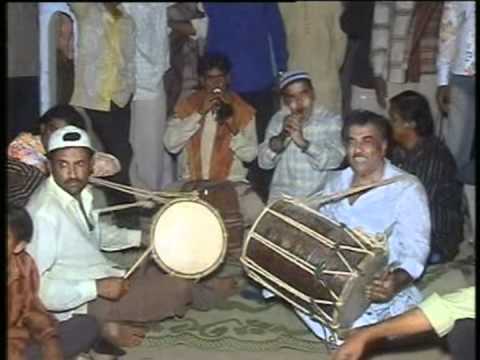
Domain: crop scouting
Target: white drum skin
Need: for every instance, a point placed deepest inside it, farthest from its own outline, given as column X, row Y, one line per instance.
column 189, row 238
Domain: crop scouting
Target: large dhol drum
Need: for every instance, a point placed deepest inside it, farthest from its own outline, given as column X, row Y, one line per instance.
column 188, row 237
column 317, row 265
column 223, row 197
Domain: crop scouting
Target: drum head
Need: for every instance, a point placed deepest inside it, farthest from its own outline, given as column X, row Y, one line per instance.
column 189, row 238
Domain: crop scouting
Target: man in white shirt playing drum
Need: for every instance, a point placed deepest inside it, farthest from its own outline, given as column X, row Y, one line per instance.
column 399, row 210
column 67, row 242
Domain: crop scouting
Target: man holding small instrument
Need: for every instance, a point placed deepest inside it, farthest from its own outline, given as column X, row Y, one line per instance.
column 213, row 130
column 302, row 142
column 399, row 210
column 75, row 276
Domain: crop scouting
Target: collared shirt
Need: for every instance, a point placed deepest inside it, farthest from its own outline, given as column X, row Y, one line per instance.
column 313, row 27
column 299, row 173
column 402, row 204
column 434, row 165
column 457, row 40
column 179, row 132
column 95, row 46
column 67, row 253
column 152, row 55
column 23, row 305
column 443, row 311
column 28, row 148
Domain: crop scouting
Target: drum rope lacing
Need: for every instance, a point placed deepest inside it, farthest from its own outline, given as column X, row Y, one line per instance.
column 158, row 196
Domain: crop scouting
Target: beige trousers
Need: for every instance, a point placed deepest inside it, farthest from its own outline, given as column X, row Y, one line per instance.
column 152, row 167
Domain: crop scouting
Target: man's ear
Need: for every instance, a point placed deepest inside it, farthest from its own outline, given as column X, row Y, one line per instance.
column 19, row 247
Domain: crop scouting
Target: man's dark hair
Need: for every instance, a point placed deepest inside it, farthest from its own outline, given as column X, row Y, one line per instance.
column 413, row 107
column 213, row 61
column 20, row 222
column 365, row 117
column 65, row 112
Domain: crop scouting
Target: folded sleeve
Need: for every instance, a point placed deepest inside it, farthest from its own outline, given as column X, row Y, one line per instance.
column 114, row 238
column 443, row 311
column 63, row 295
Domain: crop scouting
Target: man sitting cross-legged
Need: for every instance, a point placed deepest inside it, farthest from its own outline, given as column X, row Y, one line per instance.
column 67, row 242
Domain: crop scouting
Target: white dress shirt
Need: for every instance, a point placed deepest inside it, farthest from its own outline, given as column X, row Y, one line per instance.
column 404, row 205
column 456, row 48
column 67, row 253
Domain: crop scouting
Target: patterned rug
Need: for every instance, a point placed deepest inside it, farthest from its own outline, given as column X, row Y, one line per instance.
column 251, row 325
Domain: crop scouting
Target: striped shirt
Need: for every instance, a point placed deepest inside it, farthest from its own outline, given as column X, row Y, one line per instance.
column 390, row 39
column 22, row 181
column 434, row 165
column 299, row 173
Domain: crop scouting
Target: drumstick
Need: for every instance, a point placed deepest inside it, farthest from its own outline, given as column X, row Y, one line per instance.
column 138, row 262
column 147, row 204
column 341, row 194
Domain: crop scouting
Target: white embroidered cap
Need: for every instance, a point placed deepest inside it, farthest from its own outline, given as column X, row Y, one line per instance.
column 291, row 76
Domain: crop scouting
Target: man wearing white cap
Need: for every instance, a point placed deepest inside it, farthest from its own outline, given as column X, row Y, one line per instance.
column 76, row 277
column 302, row 142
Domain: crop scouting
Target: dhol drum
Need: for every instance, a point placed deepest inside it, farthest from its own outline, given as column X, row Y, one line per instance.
column 319, row 266
column 189, row 238
column 223, row 197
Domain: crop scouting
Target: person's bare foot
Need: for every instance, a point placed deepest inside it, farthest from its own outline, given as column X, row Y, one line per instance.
column 123, row 335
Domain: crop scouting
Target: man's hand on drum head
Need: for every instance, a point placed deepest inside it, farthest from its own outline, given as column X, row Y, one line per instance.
column 112, row 288
column 383, row 288
column 390, row 283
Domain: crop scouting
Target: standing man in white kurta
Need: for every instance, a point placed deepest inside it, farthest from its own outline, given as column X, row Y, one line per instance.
column 152, row 166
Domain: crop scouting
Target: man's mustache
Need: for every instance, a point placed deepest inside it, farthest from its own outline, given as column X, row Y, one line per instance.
column 72, row 182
